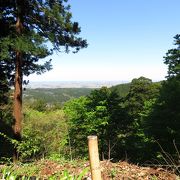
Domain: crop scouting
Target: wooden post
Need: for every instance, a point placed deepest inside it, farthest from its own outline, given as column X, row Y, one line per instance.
column 94, row 158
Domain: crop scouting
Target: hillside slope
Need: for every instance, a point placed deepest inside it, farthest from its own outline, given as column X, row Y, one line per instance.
column 57, row 95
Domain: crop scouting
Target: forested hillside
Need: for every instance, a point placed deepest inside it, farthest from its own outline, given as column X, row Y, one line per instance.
column 123, row 117
column 121, row 89
column 61, row 95
column 128, row 126
column 57, row 95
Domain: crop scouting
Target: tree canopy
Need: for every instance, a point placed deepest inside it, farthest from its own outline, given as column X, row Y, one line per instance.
column 172, row 58
column 27, row 26
column 30, row 31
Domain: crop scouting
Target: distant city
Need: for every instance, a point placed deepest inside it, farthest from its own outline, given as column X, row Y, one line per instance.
column 73, row 84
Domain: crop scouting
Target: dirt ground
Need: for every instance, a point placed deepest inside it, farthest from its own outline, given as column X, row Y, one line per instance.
column 114, row 171
column 48, row 169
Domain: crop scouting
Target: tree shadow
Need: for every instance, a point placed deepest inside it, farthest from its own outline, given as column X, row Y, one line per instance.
column 6, row 150
column 6, row 119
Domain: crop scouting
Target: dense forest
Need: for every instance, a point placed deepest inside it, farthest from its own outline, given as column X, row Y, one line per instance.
column 137, row 122
column 134, row 126
column 54, row 95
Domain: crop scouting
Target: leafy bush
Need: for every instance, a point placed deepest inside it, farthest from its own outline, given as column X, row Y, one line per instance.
column 44, row 133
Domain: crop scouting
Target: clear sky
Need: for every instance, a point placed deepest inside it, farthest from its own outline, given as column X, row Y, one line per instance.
column 127, row 39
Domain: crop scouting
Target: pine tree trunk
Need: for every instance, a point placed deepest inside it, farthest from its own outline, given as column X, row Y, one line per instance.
column 17, row 110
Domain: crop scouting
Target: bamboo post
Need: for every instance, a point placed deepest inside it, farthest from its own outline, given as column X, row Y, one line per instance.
column 94, row 158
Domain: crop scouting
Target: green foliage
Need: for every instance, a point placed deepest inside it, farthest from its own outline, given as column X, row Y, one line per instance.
column 32, row 171
column 39, row 105
column 141, row 89
column 44, row 134
column 163, row 122
column 6, row 119
column 24, row 172
column 99, row 114
column 26, row 29
column 41, row 22
column 75, row 111
column 65, row 175
column 138, row 103
column 121, row 89
column 53, row 96
column 4, row 87
column 172, row 59
column 8, row 174
column 127, row 127
column 118, row 122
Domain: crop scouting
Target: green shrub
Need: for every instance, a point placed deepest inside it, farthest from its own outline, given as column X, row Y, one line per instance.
column 44, row 134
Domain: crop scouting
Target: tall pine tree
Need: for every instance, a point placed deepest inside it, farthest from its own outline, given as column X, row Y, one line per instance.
column 172, row 59
column 26, row 27
column 164, row 121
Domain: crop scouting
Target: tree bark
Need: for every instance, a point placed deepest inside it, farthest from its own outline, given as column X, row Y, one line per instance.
column 17, row 109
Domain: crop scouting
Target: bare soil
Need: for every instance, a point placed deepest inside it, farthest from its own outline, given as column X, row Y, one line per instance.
column 111, row 171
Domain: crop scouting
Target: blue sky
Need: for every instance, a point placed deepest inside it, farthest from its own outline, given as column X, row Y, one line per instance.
column 127, row 39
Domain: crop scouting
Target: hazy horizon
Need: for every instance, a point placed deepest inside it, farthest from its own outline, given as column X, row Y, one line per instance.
column 73, row 84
